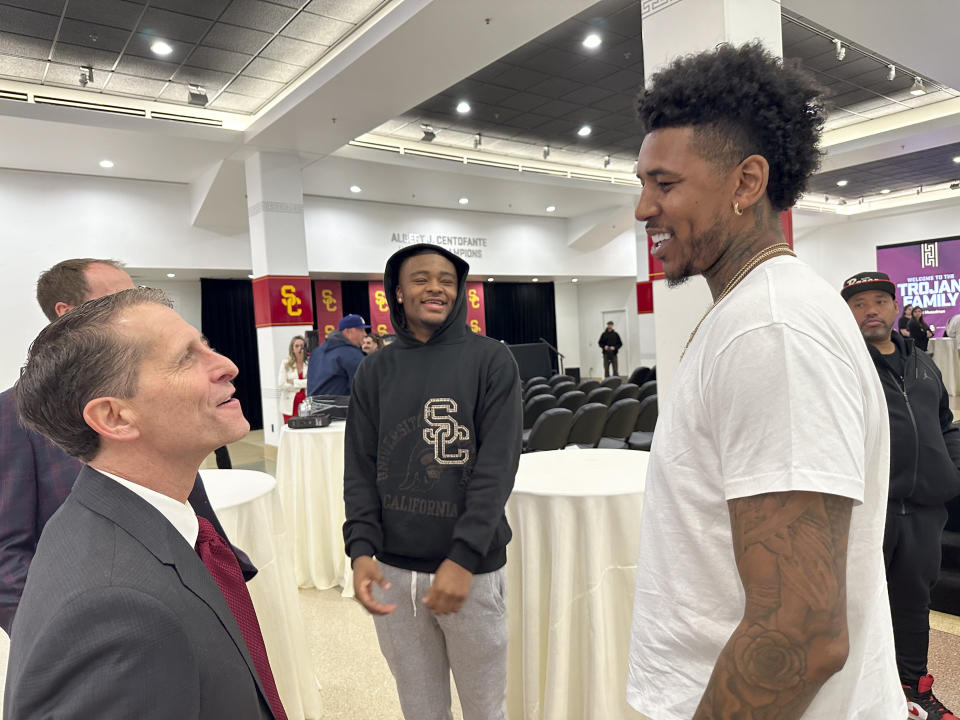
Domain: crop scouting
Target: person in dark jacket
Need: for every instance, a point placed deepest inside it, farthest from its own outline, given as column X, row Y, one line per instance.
column 610, row 343
column 924, row 462
column 920, row 332
column 903, row 324
column 433, row 441
column 334, row 363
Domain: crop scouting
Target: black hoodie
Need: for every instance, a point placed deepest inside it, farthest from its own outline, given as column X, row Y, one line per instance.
column 433, row 442
column 924, row 444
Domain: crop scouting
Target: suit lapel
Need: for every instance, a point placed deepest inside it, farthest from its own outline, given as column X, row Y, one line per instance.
column 148, row 526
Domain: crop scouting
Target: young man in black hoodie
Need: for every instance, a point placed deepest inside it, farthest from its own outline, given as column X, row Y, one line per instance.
column 924, row 462
column 433, row 441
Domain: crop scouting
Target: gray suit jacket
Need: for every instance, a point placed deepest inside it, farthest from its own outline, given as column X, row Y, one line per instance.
column 120, row 619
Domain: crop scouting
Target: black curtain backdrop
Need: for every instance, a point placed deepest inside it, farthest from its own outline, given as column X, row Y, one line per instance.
column 520, row 312
column 226, row 318
column 356, row 298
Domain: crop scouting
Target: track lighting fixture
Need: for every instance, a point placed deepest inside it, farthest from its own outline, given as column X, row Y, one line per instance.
column 86, row 75
column 477, row 141
column 840, row 48
column 196, row 95
column 429, row 134
column 918, row 88
column 891, row 72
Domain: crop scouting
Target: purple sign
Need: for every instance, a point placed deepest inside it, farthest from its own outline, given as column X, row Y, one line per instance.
column 926, row 274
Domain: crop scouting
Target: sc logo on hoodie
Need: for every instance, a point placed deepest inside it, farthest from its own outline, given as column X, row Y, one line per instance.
column 444, row 431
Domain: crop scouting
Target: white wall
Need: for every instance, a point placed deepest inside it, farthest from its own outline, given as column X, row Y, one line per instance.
column 567, row 309
column 185, row 295
column 619, row 294
column 49, row 217
column 356, row 236
column 837, row 250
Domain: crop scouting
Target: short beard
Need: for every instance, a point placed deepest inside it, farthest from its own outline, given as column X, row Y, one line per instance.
column 716, row 237
column 877, row 334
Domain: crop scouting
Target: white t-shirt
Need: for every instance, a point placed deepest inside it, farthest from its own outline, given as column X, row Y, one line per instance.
column 776, row 392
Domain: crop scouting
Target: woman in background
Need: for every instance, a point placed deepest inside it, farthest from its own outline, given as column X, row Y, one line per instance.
column 292, row 380
column 919, row 330
column 903, row 324
column 371, row 343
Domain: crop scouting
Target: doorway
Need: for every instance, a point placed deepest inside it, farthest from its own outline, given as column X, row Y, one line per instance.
column 619, row 320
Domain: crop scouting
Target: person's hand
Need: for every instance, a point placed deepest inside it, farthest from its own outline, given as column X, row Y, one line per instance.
column 366, row 572
column 451, row 585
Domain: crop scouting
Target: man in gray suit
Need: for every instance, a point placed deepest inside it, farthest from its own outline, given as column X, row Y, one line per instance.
column 121, row 617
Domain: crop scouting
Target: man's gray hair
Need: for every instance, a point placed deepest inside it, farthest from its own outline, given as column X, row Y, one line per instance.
column 75, row 359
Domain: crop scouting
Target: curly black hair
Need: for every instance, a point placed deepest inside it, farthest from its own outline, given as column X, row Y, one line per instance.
column 742, row 101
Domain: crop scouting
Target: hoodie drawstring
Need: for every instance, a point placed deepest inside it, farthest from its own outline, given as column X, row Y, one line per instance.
column 413, row 591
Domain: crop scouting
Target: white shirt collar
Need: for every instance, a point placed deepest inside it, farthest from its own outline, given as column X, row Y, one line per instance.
column 180, row 515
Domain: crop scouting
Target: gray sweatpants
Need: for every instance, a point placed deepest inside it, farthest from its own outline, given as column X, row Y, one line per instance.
column 422, row 648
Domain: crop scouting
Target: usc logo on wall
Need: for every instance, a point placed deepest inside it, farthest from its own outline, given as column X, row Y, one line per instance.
column 328, row 300
column 282, row 300
column 473, row 297
column 288, row 296
column 380, row 297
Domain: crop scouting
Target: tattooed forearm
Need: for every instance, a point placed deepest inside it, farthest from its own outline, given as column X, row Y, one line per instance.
column 791, row 551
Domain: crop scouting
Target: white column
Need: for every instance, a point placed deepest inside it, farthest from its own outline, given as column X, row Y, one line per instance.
column 277, row 247
column 671, row 29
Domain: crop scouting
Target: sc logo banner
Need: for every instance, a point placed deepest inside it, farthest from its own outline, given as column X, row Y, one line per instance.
column 444, row 431
column 288, row 296
column 328, row 300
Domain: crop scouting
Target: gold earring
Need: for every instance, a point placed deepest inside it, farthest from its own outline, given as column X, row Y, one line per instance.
column 736, row 209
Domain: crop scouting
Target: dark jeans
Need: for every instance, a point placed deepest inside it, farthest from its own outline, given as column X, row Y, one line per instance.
column 608, row 359
column 911, row 553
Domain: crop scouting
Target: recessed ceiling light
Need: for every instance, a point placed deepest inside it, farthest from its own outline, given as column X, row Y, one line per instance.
column 489, row 279
column 159, row 47
column 356, row 189
column 551, row 208
column 535, row 280
column 885, row 191
column 107, row 164
column 463, row 107
column 171, row 274
column 918, row 88
column 957, row 159
column 250, row 276
column 842, row 183
column 592, row 40
column 584, row 131
column 463, row 201
column 575, row 280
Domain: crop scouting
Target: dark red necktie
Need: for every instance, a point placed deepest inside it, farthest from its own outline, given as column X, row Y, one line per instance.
column 223, row 566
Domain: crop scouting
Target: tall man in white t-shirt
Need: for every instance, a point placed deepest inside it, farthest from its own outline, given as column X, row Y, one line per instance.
column 769, row 467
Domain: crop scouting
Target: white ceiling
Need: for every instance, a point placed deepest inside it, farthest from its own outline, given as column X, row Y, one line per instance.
column 410, row 53
column 387, row 177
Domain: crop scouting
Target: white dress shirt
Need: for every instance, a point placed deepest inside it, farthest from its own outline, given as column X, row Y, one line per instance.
column 180, row 515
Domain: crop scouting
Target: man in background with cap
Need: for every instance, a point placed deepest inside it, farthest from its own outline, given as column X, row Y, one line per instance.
column 334, row 362
column 924, row 462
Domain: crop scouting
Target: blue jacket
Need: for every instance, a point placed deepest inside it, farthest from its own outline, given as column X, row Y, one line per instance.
column 332, row 366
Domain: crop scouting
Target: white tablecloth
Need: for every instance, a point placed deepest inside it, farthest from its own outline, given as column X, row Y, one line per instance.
column 571, row 567
column 249, row 509
column 945, row 356
column 310, row 482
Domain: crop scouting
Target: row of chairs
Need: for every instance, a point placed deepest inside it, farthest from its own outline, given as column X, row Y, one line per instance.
column 539, row 401
column 626, row 424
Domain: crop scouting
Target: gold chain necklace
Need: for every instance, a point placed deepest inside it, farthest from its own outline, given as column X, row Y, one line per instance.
column 767, row 253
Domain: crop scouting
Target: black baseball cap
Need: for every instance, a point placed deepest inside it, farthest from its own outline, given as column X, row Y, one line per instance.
column 862, row 282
